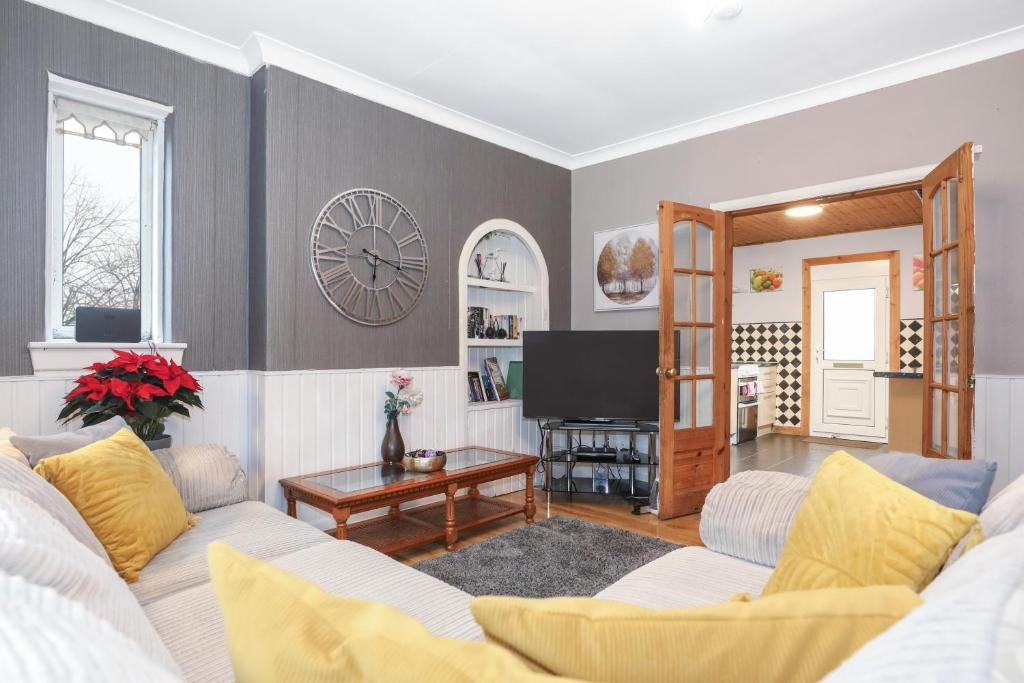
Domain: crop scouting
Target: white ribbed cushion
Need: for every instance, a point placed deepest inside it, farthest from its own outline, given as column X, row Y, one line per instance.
column 8, row 449
column 190, row 622
column 749, row 515
column 38, row 548
column 14, row 476
column 969, row 629
column 251, row 527
column 45, row 637
column 207, row 476
column 688, row 577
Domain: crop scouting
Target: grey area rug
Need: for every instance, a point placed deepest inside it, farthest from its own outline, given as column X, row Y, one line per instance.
column 554, row 557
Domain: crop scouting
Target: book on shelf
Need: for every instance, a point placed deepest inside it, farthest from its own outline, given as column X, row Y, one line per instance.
column 493, row 370
column 476, row 388
column 514, row 380
column 488, row 387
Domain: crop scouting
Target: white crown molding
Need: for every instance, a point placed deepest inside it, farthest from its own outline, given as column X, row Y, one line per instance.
column 980, row 49
column 259, row 50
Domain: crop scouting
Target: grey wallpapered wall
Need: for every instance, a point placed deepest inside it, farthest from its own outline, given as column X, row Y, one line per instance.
column 308, row 143
column 911, row 124
column 209, row 204
column 319, row 141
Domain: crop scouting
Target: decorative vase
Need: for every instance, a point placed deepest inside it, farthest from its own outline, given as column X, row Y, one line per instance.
column 158, row 442
column 392, row 449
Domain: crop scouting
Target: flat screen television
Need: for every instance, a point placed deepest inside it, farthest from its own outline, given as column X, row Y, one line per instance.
column 599, row 375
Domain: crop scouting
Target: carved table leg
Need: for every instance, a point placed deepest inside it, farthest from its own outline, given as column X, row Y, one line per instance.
column 393, row 512
column 291, row 504
column 531, row 509
column 451, row 534
column 474, row 490
column 341, row 519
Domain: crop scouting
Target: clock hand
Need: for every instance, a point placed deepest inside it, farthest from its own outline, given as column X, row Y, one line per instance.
column 378, row 259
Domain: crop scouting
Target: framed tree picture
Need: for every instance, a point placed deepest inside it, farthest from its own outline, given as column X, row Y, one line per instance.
column 626, row 268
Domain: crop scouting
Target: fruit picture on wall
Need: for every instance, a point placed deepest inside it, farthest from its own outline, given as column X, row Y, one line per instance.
column 917, row 273
column 765, row 280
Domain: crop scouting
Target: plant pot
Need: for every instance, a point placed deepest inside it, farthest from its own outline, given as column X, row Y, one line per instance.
column 392, row 448
column 156, row 443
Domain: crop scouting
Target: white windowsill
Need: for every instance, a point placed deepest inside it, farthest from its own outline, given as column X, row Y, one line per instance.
column 64, row 356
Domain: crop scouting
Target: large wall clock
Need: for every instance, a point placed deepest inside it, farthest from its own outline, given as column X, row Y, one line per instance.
column 368, row 256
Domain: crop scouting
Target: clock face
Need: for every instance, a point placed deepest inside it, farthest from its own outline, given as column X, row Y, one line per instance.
column 368, row 257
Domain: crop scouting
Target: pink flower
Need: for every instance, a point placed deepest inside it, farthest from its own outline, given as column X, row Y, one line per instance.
column 401, row 378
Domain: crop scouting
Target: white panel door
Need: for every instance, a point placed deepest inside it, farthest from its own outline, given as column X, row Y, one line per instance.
column 850, row 341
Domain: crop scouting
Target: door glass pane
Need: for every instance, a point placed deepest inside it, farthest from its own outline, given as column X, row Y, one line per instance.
column 938, row 341
column 684, row 404
column 704, row 255
column 682, row 299
column 705, row 351
column 937, row 220
column 952, row 419
column 849, row 324
column 682, row 245
column 938, row 267
column 953, row 351
column 705, row 298
column 705, row 402
column 684, row 351
column 953, row 258
column 936, row 439
column 951, row 191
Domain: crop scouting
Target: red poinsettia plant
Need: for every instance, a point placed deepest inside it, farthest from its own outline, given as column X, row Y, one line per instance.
column 143, row 389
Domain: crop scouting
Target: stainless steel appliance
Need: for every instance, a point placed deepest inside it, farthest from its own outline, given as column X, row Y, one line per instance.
column 746, row 419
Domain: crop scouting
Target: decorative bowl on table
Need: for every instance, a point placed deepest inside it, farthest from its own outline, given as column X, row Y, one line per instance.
column 424, row 460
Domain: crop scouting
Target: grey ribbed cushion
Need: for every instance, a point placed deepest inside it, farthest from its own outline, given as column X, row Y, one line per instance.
column 688, row 577
column 970, row 628
column 958, row 484
column 8, row 449
column 190, row 622
column 749, row 515
column 207, row 476
column 251, row 527
column 15, row 476
column 36, row 448
column 37, row 547
column 45, row 637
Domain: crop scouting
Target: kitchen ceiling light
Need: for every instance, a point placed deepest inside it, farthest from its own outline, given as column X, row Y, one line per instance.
column 699, row 12
column 804, row 211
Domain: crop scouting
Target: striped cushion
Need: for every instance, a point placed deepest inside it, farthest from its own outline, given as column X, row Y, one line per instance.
column 190, row 623
column 46, row 637
column 749, row 515
column 15, row 476
column 207, row 476
column 37, row 547
column 252, row 527
column 8, row 449
column 688, row 577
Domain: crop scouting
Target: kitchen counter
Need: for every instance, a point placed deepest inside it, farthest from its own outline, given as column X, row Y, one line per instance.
column 906, row 410
column 898, row 375
column 760, row 364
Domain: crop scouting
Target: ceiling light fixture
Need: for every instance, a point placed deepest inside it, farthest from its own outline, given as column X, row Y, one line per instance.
column 699, row 12
column 804, row 211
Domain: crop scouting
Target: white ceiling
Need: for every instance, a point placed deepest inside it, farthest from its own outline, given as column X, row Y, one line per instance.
column 576, row 82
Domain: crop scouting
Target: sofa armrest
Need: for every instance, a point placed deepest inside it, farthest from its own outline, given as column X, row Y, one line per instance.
column 749, row 515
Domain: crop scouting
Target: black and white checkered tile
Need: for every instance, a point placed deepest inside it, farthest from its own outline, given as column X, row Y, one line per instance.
column 775, row 343
column 911, row 344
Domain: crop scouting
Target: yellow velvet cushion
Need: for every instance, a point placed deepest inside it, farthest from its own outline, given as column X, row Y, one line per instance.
column 124, row 496
column 798, row 636
column 283, row 628
column 858, row 527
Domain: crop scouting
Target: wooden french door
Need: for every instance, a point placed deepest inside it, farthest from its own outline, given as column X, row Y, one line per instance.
column 694, row 273
column 948, row 196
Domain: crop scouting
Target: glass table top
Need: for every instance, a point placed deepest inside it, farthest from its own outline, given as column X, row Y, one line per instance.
column 375, row 475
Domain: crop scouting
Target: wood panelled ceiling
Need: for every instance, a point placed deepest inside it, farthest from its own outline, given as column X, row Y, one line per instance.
column 875, row 212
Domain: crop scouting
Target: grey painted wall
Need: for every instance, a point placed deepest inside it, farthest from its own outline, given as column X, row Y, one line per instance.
column 318, row 142
column 908, row 125
column 209, row 132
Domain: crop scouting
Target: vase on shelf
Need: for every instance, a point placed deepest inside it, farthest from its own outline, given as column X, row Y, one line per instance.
column 392, row 448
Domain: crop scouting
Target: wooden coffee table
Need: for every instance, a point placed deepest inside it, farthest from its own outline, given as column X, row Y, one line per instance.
column 349, row 490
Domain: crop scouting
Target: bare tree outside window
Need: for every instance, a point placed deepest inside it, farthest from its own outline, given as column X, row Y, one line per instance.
column 101, row 246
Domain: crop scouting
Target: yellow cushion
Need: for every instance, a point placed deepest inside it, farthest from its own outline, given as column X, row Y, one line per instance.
column 283, row 628
column 124, row 496
column 798, row 636
column 858, row 527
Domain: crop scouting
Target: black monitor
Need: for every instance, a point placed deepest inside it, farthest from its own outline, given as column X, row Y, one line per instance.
column 600, row 375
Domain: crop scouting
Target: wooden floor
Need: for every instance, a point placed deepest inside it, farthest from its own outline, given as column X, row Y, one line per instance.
column 608, row 510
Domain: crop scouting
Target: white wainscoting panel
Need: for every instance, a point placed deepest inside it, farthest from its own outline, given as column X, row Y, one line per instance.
column 998, row 427
column 503, row 427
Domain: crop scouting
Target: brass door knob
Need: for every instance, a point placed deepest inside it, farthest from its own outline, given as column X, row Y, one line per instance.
column 670, row 372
